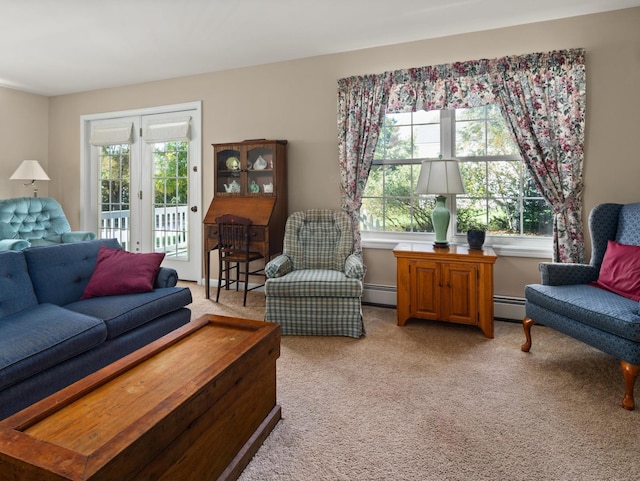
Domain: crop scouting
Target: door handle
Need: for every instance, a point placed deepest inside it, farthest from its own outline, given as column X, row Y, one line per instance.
column 194, row 208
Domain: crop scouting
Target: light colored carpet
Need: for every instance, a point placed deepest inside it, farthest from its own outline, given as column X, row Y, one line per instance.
column 436, row 401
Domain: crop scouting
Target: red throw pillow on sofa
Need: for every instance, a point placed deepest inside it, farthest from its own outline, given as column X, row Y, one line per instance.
column 121, row 272
column 620, row 270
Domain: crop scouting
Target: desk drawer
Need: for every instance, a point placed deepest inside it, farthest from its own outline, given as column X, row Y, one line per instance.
column 258, row 233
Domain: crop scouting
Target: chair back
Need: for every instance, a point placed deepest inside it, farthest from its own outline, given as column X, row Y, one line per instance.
column 234, row 233
column 318, row 239
column 32, row 218
column 617, row 222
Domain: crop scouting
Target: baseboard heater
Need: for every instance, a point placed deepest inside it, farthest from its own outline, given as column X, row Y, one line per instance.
column 504, row 307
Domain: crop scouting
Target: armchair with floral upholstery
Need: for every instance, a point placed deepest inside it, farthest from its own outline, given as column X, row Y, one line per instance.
column 35, row 221
column 315, row 286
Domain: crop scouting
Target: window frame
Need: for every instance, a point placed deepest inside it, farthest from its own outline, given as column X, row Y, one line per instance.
column 510, row 246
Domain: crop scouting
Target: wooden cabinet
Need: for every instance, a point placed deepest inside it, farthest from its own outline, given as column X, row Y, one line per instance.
column 250, row 180
column 253, row 168
column 451, row 284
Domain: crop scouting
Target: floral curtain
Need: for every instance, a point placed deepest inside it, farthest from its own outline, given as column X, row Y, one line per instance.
column 542, row 96
column 361, row 109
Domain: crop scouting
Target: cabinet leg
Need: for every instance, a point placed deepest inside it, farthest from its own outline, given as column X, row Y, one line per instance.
column 487, row 329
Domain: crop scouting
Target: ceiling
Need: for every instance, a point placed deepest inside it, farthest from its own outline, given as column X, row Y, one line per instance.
column 66, row 46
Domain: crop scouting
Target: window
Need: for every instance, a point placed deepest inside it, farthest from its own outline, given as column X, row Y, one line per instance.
column 500, row 192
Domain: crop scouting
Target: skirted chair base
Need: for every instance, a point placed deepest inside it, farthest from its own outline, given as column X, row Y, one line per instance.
column 315, row 303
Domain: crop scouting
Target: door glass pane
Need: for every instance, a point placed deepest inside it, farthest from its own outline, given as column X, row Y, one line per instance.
column 171, row 200
column 114, row 193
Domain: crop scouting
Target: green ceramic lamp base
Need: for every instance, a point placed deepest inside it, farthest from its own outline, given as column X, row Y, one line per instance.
column 440, row 218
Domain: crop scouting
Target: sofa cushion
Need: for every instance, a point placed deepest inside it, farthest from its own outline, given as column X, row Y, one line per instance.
column 128, row 311
column 121, row 272
column 620, row 270
column 61, row 272
column 42, row 336
column 16, row 290
column 590, row 305
column 314, row 283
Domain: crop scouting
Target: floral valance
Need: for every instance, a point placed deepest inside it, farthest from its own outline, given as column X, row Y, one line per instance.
column 472, row 83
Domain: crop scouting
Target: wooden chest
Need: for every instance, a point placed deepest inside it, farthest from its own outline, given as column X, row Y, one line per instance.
column 196, row 404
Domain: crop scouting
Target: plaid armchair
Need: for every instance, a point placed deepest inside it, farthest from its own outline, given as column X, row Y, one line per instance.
column 315, row 286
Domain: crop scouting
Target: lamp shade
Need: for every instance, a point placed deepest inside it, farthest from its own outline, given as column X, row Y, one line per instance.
column 29, row 170
column 440, row 177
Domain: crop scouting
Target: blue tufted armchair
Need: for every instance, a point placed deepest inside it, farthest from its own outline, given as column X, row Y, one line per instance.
column 35, row 221
column 567, row 301
column 315, row 286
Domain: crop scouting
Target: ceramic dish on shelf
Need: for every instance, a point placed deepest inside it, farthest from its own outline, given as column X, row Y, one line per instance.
column 260, row 163
column 233, row 163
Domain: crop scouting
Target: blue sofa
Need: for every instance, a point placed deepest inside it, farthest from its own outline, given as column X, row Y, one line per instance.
column 35, row 221
column 50, row 338
column 568, row 302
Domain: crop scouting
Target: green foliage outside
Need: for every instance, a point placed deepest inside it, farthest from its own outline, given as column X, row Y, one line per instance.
column 170, row 176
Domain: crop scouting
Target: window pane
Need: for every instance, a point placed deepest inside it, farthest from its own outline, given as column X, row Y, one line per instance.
column 470, row 212
column 422, row 209
column 372, row 214
column 503, row 178
column 504, row 217
column 375, row 185
column 426, row 117
column 394, row 142
column 470, row 138
column 537, row 218
column 499, row 139
column 474, row 178
column 426, row 140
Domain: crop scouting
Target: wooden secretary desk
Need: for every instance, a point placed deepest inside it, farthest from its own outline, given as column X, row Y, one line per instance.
column 250, row 180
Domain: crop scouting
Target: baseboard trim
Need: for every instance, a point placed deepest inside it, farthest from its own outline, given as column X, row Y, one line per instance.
column 504, row 307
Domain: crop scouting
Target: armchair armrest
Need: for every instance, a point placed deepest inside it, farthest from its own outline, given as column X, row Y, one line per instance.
column 78, row 236
column 558, row 274
column 167, row 277
column 13, row 244
column 278, row 266
column 354, row 267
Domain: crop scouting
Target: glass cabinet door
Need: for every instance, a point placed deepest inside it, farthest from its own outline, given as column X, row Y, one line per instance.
column 260, row 169
column 228, row 172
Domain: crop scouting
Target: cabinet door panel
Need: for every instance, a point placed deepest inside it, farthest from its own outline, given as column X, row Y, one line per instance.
column 460, row 293
column 425, row 290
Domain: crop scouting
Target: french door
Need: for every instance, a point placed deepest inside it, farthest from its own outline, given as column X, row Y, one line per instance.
column 142, row 171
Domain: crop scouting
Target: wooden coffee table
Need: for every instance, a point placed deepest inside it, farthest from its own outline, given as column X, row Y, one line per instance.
column 196, row 404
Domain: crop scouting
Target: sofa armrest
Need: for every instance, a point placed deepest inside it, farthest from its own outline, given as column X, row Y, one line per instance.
column 354, row 267
column 13, row 244
column 77, row 236
column 278, row 266
column 559, row 274
column 167, row 277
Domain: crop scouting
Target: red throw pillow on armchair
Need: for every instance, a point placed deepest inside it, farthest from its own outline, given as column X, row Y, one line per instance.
column 121, row 272
column 620, row 270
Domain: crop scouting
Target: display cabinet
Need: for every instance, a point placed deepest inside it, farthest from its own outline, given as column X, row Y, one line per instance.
column 250, row 180
column 249, row 168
